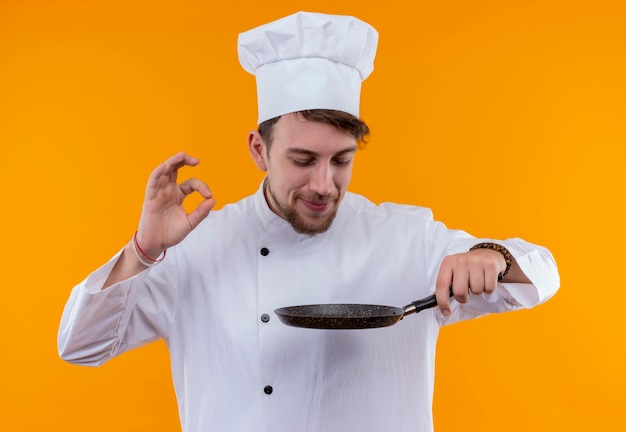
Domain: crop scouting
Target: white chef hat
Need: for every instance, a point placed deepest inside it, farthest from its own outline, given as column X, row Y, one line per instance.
column 308, row 61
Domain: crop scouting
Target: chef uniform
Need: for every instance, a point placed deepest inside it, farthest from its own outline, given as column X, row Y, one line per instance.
column 235, row 366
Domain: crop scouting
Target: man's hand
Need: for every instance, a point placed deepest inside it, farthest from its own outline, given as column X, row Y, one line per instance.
column 164, row 222
column 473, row 272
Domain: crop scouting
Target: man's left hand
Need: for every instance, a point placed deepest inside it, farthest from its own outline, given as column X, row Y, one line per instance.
column 474, row 272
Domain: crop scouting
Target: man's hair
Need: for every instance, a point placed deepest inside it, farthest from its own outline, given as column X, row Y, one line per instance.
column 343, row 121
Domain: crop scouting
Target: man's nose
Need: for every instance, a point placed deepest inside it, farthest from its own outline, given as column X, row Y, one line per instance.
column 321, row 180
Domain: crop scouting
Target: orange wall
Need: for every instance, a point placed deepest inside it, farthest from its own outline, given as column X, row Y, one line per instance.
column 506, row 117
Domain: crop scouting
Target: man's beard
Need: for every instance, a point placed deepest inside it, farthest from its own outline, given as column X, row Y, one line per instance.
column 297, row 223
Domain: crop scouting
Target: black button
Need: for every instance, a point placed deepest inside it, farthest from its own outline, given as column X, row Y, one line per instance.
column 268, row 390
column 265, row 318
column 265, row 251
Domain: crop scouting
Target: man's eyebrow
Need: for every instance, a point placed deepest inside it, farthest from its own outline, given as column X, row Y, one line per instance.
column 305, row 152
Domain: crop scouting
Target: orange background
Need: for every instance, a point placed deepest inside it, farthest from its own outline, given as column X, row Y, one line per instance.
column 506, row 117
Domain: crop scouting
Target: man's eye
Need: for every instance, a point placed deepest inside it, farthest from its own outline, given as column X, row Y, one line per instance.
column 341, row 161
column 301, row 162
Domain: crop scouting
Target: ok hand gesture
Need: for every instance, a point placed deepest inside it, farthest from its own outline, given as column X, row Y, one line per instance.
column 164, row 222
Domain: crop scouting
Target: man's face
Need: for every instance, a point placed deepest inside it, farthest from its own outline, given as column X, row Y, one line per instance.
column 309, row 165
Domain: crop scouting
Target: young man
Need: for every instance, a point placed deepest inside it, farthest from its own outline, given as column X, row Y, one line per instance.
column 209, row 285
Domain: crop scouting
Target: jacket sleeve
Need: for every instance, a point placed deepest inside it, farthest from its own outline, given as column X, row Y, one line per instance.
column 97, row 324
column 535, row 261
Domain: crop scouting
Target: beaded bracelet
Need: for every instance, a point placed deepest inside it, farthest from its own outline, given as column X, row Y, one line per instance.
column 498, row 248
column 143, row 257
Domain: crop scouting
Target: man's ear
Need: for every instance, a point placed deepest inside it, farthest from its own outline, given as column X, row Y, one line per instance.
column 256, row 145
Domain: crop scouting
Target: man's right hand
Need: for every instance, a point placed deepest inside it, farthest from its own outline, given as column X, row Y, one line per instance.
column 164, row 222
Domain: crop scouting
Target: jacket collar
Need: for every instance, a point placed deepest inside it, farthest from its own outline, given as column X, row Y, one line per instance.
column 269, row 220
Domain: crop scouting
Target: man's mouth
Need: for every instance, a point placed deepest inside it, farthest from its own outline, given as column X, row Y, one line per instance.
column 317, row 206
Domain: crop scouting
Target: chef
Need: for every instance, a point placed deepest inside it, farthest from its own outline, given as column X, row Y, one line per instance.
column 208, row 284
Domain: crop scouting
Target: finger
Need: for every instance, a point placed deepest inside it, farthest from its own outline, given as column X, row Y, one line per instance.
column 442, row 287
column 194, row 185
column 155, row 175
column 201, row 212
column 167, row 172
column 460, row 280
column 491, row 279
column 176, row 162
column 157, row 181
column 476, row 279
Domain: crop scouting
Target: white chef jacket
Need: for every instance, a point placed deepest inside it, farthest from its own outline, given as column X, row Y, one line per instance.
column 234, row 372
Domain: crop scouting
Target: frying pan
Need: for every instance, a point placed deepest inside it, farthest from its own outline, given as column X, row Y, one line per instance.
column 350, row 316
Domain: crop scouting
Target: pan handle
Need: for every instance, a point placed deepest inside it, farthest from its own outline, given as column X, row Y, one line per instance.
column 420, row 305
